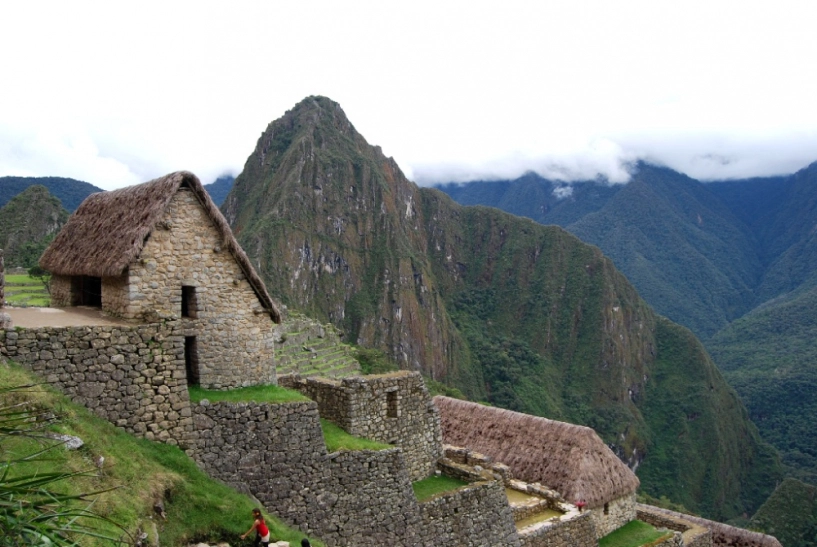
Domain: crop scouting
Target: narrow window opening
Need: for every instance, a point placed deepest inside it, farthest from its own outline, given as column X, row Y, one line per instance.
column 391, row 404
column 606, row 508
column 191, row 360
column 189, row 301
column 86, row 291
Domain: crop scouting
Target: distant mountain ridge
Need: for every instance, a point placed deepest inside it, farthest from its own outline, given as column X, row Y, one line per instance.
column 219, row 188
column 521, row 315
column 70, row 192
column 734, row 261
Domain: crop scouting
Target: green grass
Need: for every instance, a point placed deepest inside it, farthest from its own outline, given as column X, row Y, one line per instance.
column 255, row 394
column 426, row 488
column 634, row 534
column 338, row 439
column 24, row 290
column 22, row 279
column 139, row 472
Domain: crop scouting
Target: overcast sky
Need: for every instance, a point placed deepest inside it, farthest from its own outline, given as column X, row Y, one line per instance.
column 116, row 93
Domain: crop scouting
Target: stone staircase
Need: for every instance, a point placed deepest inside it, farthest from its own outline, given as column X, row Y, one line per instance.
column 305, row 347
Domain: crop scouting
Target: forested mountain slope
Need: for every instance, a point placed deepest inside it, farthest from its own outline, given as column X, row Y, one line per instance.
column 734, row 261
column 512, row 312
column 28, row 223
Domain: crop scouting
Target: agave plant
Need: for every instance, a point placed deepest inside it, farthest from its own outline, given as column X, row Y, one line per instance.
column 33, row 510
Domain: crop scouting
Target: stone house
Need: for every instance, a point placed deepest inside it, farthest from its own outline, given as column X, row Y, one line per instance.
column 570, row 459
column 162, row 251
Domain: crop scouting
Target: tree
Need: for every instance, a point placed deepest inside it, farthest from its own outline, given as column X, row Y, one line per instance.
column 43, row 275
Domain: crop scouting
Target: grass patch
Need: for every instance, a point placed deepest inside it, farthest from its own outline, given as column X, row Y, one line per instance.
column 255, row 394
column 24, row 290
column 338, row 439
column 22, row 279
column 634, row 534
column 138, row 471
column 436, row 484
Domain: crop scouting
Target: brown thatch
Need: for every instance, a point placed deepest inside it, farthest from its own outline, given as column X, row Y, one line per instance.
column 109, row 229
column 570, row 459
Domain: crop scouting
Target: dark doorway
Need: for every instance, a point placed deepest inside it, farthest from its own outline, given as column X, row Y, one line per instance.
column 189, row 307
column 86, row 291
column 191, row 360
column 391, row 404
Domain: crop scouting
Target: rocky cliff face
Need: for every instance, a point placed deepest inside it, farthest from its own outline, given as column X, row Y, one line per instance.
column 338, row 232
column 521, row 315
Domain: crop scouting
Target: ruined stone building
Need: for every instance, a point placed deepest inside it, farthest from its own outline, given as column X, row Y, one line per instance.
column 162, row 251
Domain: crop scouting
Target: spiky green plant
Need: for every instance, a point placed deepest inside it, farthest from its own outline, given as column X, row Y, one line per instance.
column 33, row 510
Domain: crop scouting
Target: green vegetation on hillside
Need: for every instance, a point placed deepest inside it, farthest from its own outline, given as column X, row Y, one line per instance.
column 133, row 476
column 769, row 357
column 790, row 514
column 28, row 223
column 705, row 255
column 24, row 290
column 704, row 425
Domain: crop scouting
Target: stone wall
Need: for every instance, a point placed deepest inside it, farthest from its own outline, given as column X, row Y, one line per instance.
column 134, row 377
column 60, row 291
column 614, row 514
column 277, row 453
column 391, row 408
column 691, row 534
column 2, row 280
column 477, row 514
column 722, row 535
column 578, row 531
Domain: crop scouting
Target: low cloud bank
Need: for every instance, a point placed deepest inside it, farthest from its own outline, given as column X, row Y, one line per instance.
column 702, row 157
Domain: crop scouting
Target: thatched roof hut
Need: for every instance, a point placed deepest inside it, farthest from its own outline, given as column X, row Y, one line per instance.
column 571, row 459
column 109, row 229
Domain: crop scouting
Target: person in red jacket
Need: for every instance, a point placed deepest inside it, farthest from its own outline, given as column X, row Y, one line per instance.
column 260, row 527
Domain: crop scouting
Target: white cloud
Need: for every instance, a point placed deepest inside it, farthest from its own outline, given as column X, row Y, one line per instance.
column 117, row 93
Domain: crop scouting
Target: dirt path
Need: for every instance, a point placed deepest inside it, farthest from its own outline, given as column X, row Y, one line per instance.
column 59, row 317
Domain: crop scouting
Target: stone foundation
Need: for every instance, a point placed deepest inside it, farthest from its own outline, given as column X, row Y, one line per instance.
column 134, row 377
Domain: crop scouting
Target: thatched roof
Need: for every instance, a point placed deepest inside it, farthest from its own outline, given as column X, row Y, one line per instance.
column 571, row 459
column 109, row 229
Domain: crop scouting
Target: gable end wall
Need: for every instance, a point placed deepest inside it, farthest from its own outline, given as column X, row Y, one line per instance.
column 234, row 334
